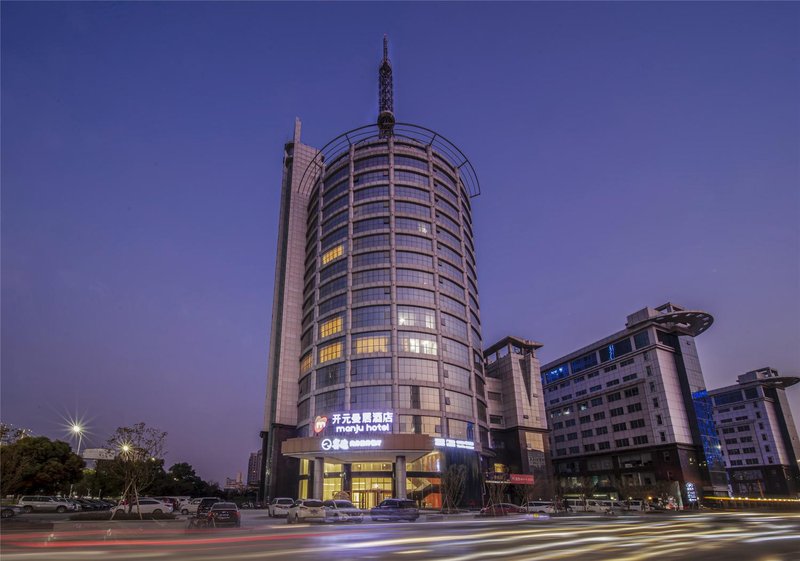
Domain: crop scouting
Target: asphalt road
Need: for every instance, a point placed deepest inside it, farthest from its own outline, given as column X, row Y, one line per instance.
column 702, row 536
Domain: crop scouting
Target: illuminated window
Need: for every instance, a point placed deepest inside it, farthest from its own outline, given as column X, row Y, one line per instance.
column 330, row 352
column 418, row 343
column 371, row 344
column 331, row 327
column 306, row 362
column 332, row 254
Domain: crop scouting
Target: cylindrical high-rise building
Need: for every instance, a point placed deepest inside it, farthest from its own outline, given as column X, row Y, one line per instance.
column 376, row 301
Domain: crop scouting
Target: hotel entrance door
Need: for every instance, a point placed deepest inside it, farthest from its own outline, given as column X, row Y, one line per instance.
column 365, row 500
column 370, row 491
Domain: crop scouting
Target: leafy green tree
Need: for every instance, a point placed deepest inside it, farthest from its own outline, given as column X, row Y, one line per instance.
column 38, row 465
column 139, row 462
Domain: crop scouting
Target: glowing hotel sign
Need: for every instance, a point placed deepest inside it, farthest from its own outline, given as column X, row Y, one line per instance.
column 356, row 423
column 347, row 444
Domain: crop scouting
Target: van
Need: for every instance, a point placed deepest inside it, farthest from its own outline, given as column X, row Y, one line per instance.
column 545, row 507
column 576, row 505
column 603, row 505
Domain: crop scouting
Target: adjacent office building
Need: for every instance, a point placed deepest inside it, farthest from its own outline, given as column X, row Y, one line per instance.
column 758, row 435
column 375, row 381
column 254, row 470
column 630, row 412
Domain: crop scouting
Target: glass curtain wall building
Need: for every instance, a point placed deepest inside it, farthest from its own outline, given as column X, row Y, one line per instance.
column 376, row 380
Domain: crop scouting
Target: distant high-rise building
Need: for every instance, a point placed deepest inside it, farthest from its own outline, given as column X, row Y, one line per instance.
column 630, row 413
column 375, row 383
column 254, row 470
column 758, row 435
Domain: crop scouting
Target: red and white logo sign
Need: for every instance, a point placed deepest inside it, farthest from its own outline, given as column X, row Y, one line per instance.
column 319, row 424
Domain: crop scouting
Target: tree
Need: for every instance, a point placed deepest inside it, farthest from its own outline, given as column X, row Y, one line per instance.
column 138, row 462
column 9, row 434
column 38, row 465
column 454, row 481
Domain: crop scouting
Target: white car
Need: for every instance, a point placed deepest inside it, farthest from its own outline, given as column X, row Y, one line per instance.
column 306, row 510
column 190, row 507
column 542, row 507
column 146, row 505
column 40, row 503
column 280, row 507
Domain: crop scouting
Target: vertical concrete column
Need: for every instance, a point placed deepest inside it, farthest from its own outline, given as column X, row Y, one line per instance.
column 400, row 477
column 319, row 475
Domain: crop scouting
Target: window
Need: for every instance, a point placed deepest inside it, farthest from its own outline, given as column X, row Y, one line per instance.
column 622, row 442
column 413, row 242
column 370, row 316
column 330, row 352
column 306, row 362
column 418, row 369
column 455, row 351
column 366, row 369
column 612, row 383
column 596, row 401
column 457, row 403
column 421, row 343
column 601, row 430
column 616, row 396
column 630, row 377
column 453, row 326
column 330, row 375
column 603, row 445
column 417, row 259
column 640, row 439
column 371, row 343
column 617, row 411
column 419, row 397
column 585, row 419
column 413, row 276
column 333, row 253
column 634, row 407
column 589, row 447
column 372, row 258
column 411, row 316
column 371, row 397
column 371, row 276
column 381, row 293
column 331, row 327
column 631, row 392
column 617, row 427
column 599, row 416
column 587, row 433
column 637, row 424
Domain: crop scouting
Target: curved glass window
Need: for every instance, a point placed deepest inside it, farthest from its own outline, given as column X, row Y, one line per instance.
column 371, row 397
column 418, row 369
column 307, row 338
column 453, row 326
column 366, row 343
column 331, row 287
column 444, row 177
column 330, row 401
column 372, row 258
column 303, row 409
column 414, row 276
column 402, row 176
column 333, row 253
column 371, row 316
column 453, row 350
column 460, row 429
column 370, row 162
column 366, row 369
column 330, row 375
column 418, row 259
column 304, row 385
column 330, row 351
column 371, row 276
column 413, row 242
column 334, row 207
column 381, row 207
column 412, row 224
column 307, row 361
column 332, row 270
column 420, row 343
column 335, row 191
column 334, row 222
column 446, row 221
column 334, row 237
column 368, row 242
column 475, row 338
column 451, row 287
column 421, row 424
column 371, row 176
column 419, row 397
column 337, row 175
column 443, row 191
column 411, row 193
column 446, row 236
column 332, row 303
column 444, row 204
column 412, row 316
column 448, row 253
column 457, row 376
column 416, row 295
column 458, row 403
column 331, row 326
column 448, row 269
column 370, row 224
column 378, row 294
column 371, row 192
column 412, row 208
column 473, row 302
column 400, row 160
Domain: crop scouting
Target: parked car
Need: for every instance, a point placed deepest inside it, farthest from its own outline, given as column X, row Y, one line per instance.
column 395, row 509
column 603, row 505
column 342, row 511
column 280, row 506
column 40, row 503
column 205, row 505
column 9, row 511
column 501, row 509
column 86, row 504
column 224, row 514
column 145, row 505
column 542, row 507
column 306, row 510
column 190, row 507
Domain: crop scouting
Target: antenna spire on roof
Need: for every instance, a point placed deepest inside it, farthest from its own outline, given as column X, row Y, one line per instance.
column 385, row 94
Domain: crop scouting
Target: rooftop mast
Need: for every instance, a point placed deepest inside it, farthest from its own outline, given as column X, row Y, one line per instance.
column 385, row 94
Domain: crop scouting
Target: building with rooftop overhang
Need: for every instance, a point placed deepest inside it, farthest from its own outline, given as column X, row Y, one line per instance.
column 630, row 414
column 758, row 435
column 375, row 380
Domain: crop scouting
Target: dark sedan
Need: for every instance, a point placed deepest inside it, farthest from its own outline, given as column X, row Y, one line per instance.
column 395, row 509
column 224, row 514
column 502, row 509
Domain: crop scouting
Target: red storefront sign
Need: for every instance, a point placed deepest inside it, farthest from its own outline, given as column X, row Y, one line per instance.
column 520, row 479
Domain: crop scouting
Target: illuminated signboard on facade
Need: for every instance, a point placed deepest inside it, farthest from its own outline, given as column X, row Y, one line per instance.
column 347, row 444
column 451, row 443
column 691, row 493
column 368, row 421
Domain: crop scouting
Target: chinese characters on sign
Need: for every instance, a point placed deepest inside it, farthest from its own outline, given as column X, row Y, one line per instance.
column 451, row 443
column 344, row 444
column 369, row 421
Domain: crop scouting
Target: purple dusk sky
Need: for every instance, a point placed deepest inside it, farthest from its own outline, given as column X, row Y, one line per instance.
column 629, row 154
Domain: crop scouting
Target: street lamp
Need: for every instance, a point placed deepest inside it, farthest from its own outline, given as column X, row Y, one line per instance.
column 77, row 431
